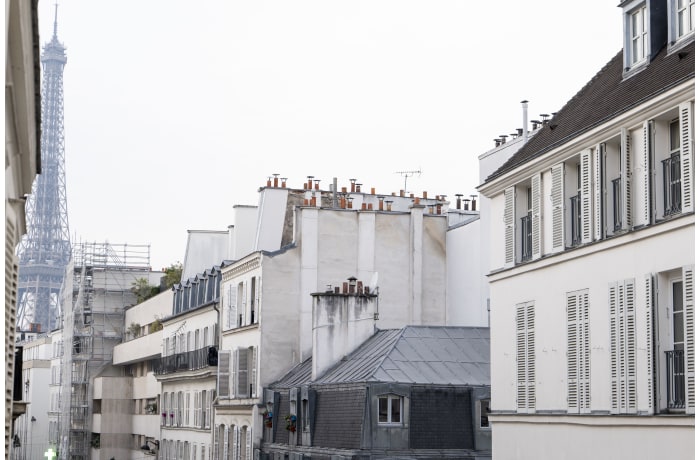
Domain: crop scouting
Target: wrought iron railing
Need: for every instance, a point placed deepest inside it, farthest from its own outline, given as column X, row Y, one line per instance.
column 187, row 361
column 672, row 184
column 526, row 237
column 675, row 379
column 617, row 203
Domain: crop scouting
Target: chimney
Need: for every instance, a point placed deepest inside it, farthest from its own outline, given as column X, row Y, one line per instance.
column 335, row 192
column 352, row 185
column 381, row 203
column 284, row 182
column 524, row 103
column 269, row 181
column 309, row 186
column 276, row 180
column 473, row 197
column 459, row 200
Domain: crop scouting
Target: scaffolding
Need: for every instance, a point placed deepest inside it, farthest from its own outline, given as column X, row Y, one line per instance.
column 103, row 275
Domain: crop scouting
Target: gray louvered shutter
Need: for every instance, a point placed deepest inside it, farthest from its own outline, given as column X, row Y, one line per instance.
column 226, row 446
column 254, row 371
column 242, row 391
column 530, row 312
column 521, row 357
column 586, row 198
column 536, row 188
column 249, row 443
column 630, row 347
column 585, row 352
column 558, row 221
column 243, row 306
column 687, row 151
column 509, row 220
column 689, row 320
column 223, row 377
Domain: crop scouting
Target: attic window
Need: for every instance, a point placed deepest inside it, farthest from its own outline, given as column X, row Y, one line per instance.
column 390, row 409
column 638, row 37
column 681, row 19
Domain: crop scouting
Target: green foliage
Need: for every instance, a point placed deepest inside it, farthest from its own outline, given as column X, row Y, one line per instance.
column 143, row 290
column 135, row 329
column 155, row 326
column 173, row 274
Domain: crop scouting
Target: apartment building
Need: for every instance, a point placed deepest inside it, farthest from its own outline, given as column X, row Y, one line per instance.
column 592, row 260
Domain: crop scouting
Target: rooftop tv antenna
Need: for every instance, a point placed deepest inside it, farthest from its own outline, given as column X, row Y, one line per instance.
column 406, row 175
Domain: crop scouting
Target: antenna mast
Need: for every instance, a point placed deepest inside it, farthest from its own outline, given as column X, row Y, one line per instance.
column 406, row 175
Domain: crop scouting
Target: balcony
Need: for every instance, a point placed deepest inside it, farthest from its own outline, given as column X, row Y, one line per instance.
column 675, row 379
column 672, row 184
column 187, row 361
column 526, row 237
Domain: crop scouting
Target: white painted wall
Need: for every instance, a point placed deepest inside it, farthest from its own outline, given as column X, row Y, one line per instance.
column 205, row 249
column 242, row 232
column 465, row 277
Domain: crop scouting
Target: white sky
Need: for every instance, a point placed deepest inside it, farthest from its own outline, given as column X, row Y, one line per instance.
column 177, row 110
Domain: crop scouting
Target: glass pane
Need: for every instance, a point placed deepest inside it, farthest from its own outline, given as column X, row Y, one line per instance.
column 383, row 403
column 395, row 410
column 677, row 296
column 675, row 135
column 484, row 412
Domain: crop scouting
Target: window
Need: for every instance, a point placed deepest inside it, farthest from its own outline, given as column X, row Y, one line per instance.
column 637, row 40
column 578, row 353
column 681, row 19
column 575, row 214
column 525, row 356
column 390, row 409
column 522, row 220
column 672, row 172
column 232, row 320
column 252, row 319
column 484, row 407
column 526, row 229
column 187, row 409
column 306, row 421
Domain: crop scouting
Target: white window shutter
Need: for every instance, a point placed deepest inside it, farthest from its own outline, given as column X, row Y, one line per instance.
column 585, row 352
column 689, row 320
column 530, row 312
column 509, row 220
column 254, row 371
column 521, row 355
column 234, row 367
column 258, row 298
column 687, row 151
column 558, row 220
column 249, row 443
column 572, row 364
column 630, row 347
column 615, row 391
column 586, row 198
column 226, row 446
column 649, row 306
column 626, row 179
column 644, row 173
column 598, row 195
column 536, row 188
column 237, row 443
column 224, row 371
column 242, row 307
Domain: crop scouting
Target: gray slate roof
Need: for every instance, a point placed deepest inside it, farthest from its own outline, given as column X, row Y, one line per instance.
column 414, row 354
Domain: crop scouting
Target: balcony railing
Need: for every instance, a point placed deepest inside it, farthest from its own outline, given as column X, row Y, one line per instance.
column 187, row 361
column 617, row 203
column 672, row 184
column 675, row 379
column 575, row 219
column 526, row 237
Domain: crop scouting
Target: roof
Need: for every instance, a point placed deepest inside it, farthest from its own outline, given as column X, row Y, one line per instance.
column 604, row 97
column 414, row 354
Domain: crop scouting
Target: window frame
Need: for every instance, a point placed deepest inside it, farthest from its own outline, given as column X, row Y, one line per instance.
column 389, row 397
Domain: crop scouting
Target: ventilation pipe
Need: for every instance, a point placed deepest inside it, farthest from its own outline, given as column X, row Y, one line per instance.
column 524, row 103
column 335, row 192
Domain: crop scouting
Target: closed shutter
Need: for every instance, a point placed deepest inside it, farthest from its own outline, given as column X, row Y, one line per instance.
column 217, row 441
column 622, row 347
column 536, row 188
column 224, row 372
column 249, row 443
column 509, row 220
column 687, row 150
column 258, row 297
column 525, row 356
column 649, row 307
column 585, row 353
column 644, row 174
column 572, row 339
column 689, row 320
column 626, row 179
column 586, row 198
column 237, row 443
column 242, row 307
column 242, row 391
column 578, row 352
column 558, row 208
column 598, row 195
column 226, row 447
column 232, row 311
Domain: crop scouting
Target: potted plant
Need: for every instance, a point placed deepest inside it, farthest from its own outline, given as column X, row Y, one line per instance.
column 291, row 423
column 268, row 419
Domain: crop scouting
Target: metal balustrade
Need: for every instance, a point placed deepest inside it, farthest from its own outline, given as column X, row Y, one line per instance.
column 675, row 379
column 672, row 184
column 186, row 361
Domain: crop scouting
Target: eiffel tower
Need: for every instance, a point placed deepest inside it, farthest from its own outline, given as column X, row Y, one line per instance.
column 45, row 251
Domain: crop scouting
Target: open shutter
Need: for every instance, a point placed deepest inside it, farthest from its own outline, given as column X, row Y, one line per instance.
column 626, row 179
column 224, row 371
column 509, row 220
column 226, row 446
column 598, row 195
column 687, row 149
column 249, row 443
column 689, row 320
column 242, row 307
column 585, row 352
column 254, row 372
column 242, row 391
column 521, row 355
column 236, row 443
column 572, row 365
column 586, row 198
column 644, row 174
column 649, row 306
column 558, row 208
column 258, row 287
column 536, row 188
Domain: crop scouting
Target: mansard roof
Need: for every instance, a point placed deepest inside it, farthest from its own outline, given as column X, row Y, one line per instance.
column 604, row 97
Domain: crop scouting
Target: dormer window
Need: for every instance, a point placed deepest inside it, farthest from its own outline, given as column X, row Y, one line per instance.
column 682, row 19
column 638, row 35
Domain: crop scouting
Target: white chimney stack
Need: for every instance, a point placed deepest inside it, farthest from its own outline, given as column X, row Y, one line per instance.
column 524, row 119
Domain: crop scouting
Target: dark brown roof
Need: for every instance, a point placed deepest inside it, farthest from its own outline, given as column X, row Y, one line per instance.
column 604, row 97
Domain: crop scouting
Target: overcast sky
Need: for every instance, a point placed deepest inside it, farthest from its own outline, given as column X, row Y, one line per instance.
column 177, row 110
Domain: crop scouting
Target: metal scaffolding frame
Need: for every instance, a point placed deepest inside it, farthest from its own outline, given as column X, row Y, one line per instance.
column 102, row 279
